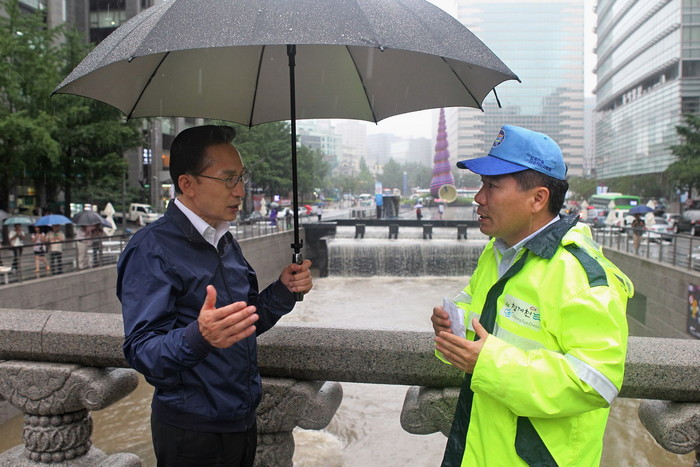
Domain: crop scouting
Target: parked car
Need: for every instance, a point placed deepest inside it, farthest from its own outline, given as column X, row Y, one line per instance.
column 672, row 218
column 659, row 230
column 595, row 218
column 689, row 222
column 282, row 213
column 252, row 218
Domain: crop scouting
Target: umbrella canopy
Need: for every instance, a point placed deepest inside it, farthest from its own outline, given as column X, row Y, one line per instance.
column 4, row 214
column 87, row 218
column 357, row 59
column 18, row 220
column 641, row 209
column 53, row 219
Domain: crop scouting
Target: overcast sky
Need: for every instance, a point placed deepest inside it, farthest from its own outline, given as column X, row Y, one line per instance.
column 421, row 123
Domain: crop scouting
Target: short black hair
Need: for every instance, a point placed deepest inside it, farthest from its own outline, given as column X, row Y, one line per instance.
column 187, row 153
column 528, row 179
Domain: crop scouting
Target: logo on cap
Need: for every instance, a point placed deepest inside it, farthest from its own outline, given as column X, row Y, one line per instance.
column 499, row 139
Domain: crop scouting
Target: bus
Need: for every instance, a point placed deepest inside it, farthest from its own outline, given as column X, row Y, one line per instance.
column 624, row 202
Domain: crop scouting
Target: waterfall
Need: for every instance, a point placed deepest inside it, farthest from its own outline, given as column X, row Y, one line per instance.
column 403, row 257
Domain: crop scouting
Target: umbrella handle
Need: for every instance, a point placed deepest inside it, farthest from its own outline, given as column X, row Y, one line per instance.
column 297, row 258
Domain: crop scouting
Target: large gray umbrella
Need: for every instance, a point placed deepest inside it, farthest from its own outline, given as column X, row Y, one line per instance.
column 87, row 218
column 258, row 61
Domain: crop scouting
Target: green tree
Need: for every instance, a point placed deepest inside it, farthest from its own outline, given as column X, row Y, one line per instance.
column 392, row 175
column 28, row 70
column 60, row 144
column 312, row 171
column 419, row 175
column 684, row 173
column 93, row 136
column 266, row 152
column 365, row 179
column 582, row 187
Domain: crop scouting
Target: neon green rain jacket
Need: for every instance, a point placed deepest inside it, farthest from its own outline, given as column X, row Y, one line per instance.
column 556, row 356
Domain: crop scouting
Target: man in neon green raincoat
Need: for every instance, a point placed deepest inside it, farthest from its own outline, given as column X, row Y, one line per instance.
column 546, row 333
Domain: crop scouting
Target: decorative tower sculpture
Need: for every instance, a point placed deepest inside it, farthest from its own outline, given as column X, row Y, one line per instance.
column 442, row 173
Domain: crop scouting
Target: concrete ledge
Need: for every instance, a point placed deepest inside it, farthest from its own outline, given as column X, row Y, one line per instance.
column 657, row 368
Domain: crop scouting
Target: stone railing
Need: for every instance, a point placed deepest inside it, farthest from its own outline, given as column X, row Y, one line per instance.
column 57, row 366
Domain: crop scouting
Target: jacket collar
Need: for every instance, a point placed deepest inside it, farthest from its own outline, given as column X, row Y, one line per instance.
column 545, row 244
column 184, row 223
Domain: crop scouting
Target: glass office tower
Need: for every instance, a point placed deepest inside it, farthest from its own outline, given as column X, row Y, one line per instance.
column 542, row 42
column 648, row 68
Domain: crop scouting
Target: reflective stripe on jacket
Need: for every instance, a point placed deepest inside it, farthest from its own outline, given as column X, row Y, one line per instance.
column 557, row 353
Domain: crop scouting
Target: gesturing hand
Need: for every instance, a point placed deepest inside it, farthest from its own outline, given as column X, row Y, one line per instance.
column 223, row 327
column 461, row 352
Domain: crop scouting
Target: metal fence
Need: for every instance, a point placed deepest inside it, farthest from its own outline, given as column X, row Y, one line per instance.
column 675, row 249
column 19, row 264
column 23, row 263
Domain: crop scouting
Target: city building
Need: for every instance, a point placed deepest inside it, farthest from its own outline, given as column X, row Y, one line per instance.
column 148, row 164
column 542, row 42
column 648, row 69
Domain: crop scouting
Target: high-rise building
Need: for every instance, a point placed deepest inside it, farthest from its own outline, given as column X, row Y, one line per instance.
column 96, row 19
column 542, row 42
column 648, row 68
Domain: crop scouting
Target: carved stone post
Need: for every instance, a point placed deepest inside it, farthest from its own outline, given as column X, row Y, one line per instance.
column 428, row 410
column 56, row 400
column 286, row 404
column 674, row 425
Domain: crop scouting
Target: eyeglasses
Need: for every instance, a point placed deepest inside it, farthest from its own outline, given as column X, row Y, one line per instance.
column 230, row 181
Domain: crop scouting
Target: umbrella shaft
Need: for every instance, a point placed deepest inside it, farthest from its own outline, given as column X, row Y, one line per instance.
column 291, row 53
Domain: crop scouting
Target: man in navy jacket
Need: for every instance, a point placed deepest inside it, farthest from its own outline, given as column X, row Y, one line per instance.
column 192, row 309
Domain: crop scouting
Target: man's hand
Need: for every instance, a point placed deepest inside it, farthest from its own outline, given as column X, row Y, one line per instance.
column 461, row 352
column 223, row 327
column 297, row 277
column 441, row 321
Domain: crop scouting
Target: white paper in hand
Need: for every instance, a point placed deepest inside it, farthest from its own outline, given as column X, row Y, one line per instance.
column 456, row 316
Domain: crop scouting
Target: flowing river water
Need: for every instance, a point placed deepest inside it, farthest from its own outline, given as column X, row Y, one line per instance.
column 365, row 431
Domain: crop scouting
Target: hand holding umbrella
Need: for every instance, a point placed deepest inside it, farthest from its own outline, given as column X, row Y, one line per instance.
column 360, row 59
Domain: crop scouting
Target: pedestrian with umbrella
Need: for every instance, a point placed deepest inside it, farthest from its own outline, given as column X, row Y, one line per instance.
column 55, row 249
column 39, row 249
column 192, row 308
column 86, row 221
column 56, row 238
column 17, row 237
column 361, row 59
column 638, row 225
column 266, row 59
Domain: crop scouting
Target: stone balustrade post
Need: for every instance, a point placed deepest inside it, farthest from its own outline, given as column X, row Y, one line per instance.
column 56, row 400
column 428, row 410
column 286, row 404
column 674, row 425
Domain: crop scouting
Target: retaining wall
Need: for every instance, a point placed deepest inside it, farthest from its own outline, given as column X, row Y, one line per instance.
column 93, row 290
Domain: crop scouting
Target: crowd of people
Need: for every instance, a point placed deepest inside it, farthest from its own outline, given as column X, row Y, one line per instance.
column 47, row 244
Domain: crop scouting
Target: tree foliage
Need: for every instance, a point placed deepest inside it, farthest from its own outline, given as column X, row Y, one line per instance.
column 29, row 64
column 61, row 144
column 267, row 153
column 684, row 173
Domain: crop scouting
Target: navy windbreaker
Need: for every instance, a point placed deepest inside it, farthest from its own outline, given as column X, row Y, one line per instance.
column 162, row 278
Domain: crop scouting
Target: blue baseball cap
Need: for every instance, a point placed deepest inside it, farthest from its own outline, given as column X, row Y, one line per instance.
column 517, row 149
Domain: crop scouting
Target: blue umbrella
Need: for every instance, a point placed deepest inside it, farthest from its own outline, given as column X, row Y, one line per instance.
column 643, row 209
column 53, row 219
column 18, row 220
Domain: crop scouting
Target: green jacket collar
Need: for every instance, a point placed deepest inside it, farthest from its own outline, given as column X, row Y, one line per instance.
column 545, row 244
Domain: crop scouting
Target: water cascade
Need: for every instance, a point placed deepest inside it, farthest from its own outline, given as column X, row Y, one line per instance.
column 402, row 257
